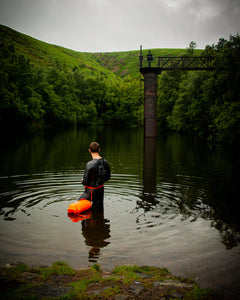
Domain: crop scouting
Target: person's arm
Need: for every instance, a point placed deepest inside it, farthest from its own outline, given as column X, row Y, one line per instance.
column 107, row 171
column 86, row 176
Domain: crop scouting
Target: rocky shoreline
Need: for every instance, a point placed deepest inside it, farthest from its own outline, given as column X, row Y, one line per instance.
column 125, row 282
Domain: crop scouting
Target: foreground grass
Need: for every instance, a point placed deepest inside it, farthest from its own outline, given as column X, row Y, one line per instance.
column 63, row 282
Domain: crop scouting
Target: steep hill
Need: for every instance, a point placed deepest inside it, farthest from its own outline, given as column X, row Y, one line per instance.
column 109, row 64
column 45, row 54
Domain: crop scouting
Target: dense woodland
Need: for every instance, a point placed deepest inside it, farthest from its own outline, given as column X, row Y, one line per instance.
column 40, row 89
column 205, row 103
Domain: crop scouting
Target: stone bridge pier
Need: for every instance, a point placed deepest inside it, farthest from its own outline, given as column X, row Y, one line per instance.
column 150, row 76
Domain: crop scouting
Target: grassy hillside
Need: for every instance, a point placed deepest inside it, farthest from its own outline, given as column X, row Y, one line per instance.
column 108, row 64
column 127, row 62
column 46, row 85
column 45, row 54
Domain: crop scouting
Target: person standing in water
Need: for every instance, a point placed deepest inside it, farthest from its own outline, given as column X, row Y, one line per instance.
column 97, row 171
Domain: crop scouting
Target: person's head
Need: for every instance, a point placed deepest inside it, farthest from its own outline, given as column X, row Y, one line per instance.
column 94, row 147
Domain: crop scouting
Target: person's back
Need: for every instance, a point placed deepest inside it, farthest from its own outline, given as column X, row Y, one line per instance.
column 97, row 171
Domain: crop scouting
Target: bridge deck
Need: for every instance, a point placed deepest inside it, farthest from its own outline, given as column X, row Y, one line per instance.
column 158, row 64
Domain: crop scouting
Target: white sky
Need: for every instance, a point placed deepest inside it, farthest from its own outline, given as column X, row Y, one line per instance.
column 122, row 25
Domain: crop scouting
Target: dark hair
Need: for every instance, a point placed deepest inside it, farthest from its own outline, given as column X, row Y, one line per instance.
column 94, row 147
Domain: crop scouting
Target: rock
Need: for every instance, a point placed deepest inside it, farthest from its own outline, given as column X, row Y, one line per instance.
column 106, row 274
column 172, row 283
column 177, row 295
column 49, row 290
column 121, row 297
column 60, row 279
column 96, row 288
column 137, row 288
column 143, row 275
column 30, row 276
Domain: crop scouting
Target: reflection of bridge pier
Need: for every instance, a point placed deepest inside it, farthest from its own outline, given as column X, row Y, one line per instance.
column 149, row 173
column 149, row 165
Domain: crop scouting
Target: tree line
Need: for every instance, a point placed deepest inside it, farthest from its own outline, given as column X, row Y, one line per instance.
column 37, row 96
column 203, row 103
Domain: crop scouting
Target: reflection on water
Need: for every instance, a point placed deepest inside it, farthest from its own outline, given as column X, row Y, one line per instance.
column 96, row 231
column 149, row 172
column 170, row 200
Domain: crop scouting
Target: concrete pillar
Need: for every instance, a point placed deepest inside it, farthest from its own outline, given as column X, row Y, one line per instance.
column 150, row 101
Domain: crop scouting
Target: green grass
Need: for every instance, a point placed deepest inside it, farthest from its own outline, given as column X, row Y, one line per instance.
column 110, row 292
column 96, row 268
column 13, row 271
column 107, row 64
column 57, row 268
column 198, row 293
column 128, row 272
column 132, row 273
column 18, row 286
column 79, row 289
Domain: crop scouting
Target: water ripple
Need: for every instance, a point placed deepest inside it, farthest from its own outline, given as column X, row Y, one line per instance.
column 36, row 204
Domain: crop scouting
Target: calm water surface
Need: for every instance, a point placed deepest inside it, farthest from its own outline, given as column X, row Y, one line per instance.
column 171, row 202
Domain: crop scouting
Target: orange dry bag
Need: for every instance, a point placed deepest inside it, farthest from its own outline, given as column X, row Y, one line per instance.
column 79, row 206
column 80, row 217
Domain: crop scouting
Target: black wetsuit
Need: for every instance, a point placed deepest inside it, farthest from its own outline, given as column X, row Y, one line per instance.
column 97, row 171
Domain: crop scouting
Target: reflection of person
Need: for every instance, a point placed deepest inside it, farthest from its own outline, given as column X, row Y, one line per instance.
column 97, row 171
column 96, row 232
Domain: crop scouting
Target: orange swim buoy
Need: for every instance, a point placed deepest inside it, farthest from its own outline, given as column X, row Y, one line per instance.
column 79, row 206
column 80, row 217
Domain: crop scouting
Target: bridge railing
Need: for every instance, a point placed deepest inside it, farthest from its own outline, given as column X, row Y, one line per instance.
column 188, row 63
column 176, row 62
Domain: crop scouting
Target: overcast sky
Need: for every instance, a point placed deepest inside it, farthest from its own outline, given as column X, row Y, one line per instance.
column 122, row 25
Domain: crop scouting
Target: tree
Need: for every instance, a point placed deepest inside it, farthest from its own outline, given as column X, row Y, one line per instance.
column 191, row 48
column 168, row 93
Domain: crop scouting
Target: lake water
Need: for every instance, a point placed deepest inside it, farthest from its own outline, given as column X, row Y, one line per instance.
column 171, row 203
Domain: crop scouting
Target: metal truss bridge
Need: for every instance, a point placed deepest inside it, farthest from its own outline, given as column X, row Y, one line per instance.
column 162, row 63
